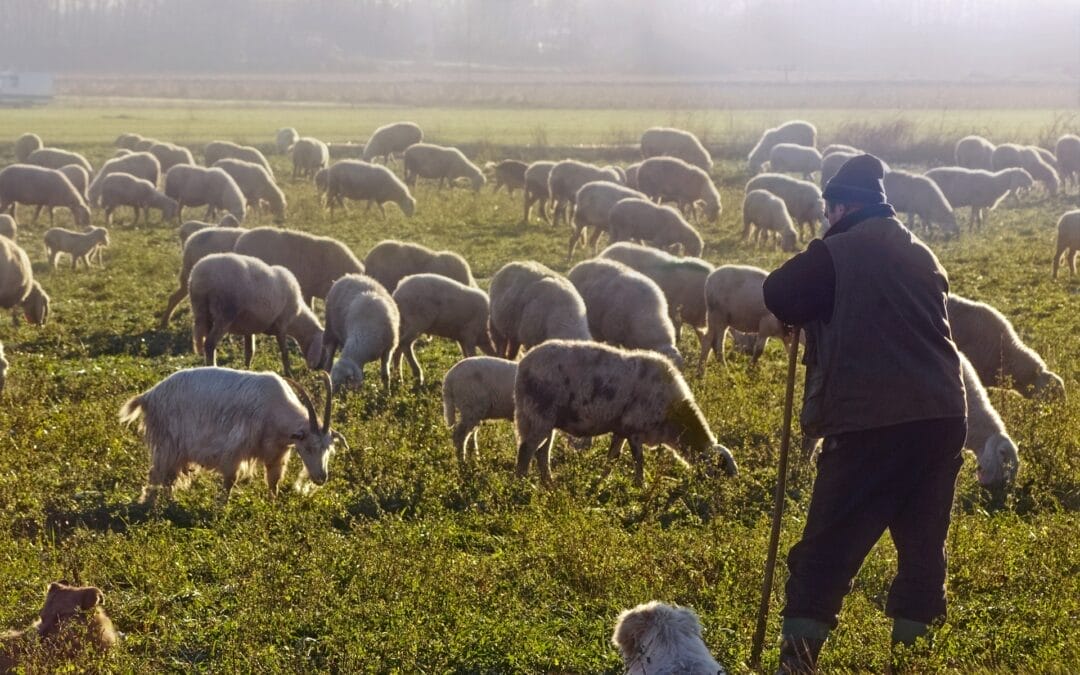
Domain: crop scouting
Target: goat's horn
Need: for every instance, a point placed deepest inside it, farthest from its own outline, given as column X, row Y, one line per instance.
column 313, row 419
column 329, row 400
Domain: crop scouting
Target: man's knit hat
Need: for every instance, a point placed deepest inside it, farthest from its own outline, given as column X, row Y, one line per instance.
column 859, row 181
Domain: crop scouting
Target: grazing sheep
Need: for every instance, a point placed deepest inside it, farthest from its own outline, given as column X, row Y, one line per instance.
column 78, row 177
column 375, row 184
column 316, row 262
column 8, row 227
column 241, row 295
column 144, row 144
column 594, row 202
column 624, row 307
column 590, row 389
column 981, row 190
column 362, row 319
column 631, row 175
column 79, row 245
column 390, row 261
column 566, row 178
column 216, row 151
column 127, row 141
column 434, row 305
column 831, row 163
column 919, row 195
column 998, row 354
column 392, row 138
column 765, row 211
column 530, row 303
column 285, row 138
column 1068, row 241
column 997, row 455
column 38, row 186
column 196, row 247
column 229, row 420
column 55, row 158
column 17, row 285
column 792, row 158
column 139, row 164
column 666, row 141
column 536, row 188
column 122, row 189
column 659, row 226
column 795, row 131
column 734, row 299
column 511, row 173
column 308, row 156
column 660, row 639
column 975, row 152
column 1042, row 172
column 1005, row 156
column 802, row 198
column 322, row 181
column 670, row 179
column 169, row 155
column 1067, row 151
column 25, row 145
column 71, row 618
column 424, row 160
column 190, row 227
column 834, row 148
column 476, row 389
column 194, row 186
column 256, row 184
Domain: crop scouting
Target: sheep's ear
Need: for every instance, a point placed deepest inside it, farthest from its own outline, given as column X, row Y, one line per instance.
column 630, row 630
column 57, row 585
column 91, row 597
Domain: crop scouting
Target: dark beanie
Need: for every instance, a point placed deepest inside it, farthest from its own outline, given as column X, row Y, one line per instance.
column 859, row 181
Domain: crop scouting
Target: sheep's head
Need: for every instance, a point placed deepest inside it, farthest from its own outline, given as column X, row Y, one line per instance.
column 36, row 305
column 346, row 374
column 170, row 210
column 672, row 353
column 1020, row 179
column 692, row 245
column 998, row 462
column 713, row 210
column 408, row 206
column 719, row 457
column 789, row 241
column 478, row 181
column 101, row 236
column 321, row 180
column 948, row 224
column 639, row 630
column 1049, row 386
column 228, row 220
column 314, row 440
column 63, row 602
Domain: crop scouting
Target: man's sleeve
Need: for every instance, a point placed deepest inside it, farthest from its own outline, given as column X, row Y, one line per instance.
column 802, row 289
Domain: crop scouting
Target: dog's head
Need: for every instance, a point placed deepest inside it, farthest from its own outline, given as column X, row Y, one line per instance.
column 653, row 625
column 63, row 602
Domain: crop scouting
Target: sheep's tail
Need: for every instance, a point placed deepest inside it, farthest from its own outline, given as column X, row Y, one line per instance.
column 130, row 411
column 449, row 413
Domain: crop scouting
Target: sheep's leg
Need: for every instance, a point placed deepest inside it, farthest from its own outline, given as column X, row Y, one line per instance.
column 384, row 370
column 474, row 442
column 37, row 212
column 528, row 207
column 213, row 337
column 274, row 470
column 174, row 300
column 575, row 235
column 1072, row 262
column 594, row 239
column 108, row 215
column 461, row 436
column 1057, row 260
column 467, row 349
column 543, row 459
column 746, row 230
column 74, row 261
column 615, row 449
column 283, row 345
column 512, row 349
column 718, row 345
column 53, row 256
column 249, row 349
column 759, row 348
column 706, row 346
column 410, row 356
column 543, row 210
column 639, row 462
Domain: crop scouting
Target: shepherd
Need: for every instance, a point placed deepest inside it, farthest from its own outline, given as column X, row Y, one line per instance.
column 884, row 389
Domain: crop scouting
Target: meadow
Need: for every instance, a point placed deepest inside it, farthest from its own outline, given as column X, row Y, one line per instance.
column 406, row 562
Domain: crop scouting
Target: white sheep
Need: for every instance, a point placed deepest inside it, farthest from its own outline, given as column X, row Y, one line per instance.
column 39, row 186
column 309, row 155
column 143, row 144
column 589, row 389
column 78, row 177
column 767, row 212
column 219, row 150
column 121, row 189
column 79, row 245
column 196, row 247
column 670, row 179
column 842, row 148
column 127, row 141
column 594, row 201
column 659, row 226
column 363, row 320
column 195, row 186
column 734, row 299
column 1068, row 241
column 256, row 184
column 795, row 131
column 624, row 307
column 431, row 304
column 509, row 173
column 531, row 303
column 316, row 262
column 242, row 295
column 390, row 261
column 476, row 389
column 918, row 195
column 54, row 158
column 793, row 158
column 996, row 453
column 536, row 188
column 1041, row 171
column 362, row 181
column 831, row 163
column 998, row 354
column 631, row 175
column 170, row 155
column 981, row 190
column 975, row 152
column 26, row 144
column 1067, row 151
column 139, row 164
column 285, row 138
column 392, row 138
column 802, row 198
column 228, row 420
column 425, row 160
column 8, row 227
column 18, row 289
column 190, row 227
column 660, row 639
column 670, row 142
column 566, row 178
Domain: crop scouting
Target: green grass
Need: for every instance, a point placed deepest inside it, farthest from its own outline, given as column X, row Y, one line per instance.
column 402, row 561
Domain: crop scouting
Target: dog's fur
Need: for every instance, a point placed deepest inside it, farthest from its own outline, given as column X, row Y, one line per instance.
column 71, row 618
column 660, row 639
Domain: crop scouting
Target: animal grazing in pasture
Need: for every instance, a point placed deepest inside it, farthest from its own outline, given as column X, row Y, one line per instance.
column 475, row 389
column 391, row 139
column 660, row 639
column 72, row 620
column 1068, row 242
column 79, row 245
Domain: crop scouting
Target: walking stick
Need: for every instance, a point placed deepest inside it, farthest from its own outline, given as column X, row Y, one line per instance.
column 778, row 505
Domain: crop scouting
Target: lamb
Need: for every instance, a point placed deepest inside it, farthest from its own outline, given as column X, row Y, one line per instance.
column 666, row 141
column 834, row 148
column 216, row 151
column 127, row 141
column 1068, row 241
column 228, row 420
column 372, row 183
column 361, row 318
column 981, row 190
column 392, row 138
column 566, row 178
column 1040, row 171
column 25, row 145
column 594, row 202
column 734, row 299
column 122, row 189
column 997, row 455
column 390, row 261
column 795, row 131
column 919, row 195
column 8, row 227
column 475, row 389
column 71, row 618
column 256, row 184
column 79, row 245
column 424, row 160
column 667, row 178
column 434, row 305
column 18, row 287
column 199, row 245
column 802, row 198
column 530, row 303
column 285, row 138
column 536, row 188
column 1067, row 151
column 793, row 158
column 660, row 639
column 975, row 152
column 659, row 226
column 511, row 173
column 54, row 158
column 308, row 156
column 169, row 155
column 625, row 308
column 238, row 294
column 35, row 185
column 316, row 262
column 190, row 227
column 998, row 354
column 767, row 212
column 589, row 389
column 139, row 164
column 195, row 186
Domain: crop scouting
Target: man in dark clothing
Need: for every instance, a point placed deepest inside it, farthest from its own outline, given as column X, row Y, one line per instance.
column 883, row 387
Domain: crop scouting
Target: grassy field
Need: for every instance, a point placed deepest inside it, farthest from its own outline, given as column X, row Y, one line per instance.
column 403, row 562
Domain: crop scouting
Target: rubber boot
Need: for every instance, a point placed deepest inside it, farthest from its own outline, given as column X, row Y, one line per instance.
column 801, row 643
column 905, row 634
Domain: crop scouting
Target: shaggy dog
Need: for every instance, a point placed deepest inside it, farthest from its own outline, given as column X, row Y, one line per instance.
column 71, row 618
column 660, row 639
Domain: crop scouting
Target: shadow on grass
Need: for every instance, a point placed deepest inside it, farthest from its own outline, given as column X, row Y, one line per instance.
column 94, row 513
